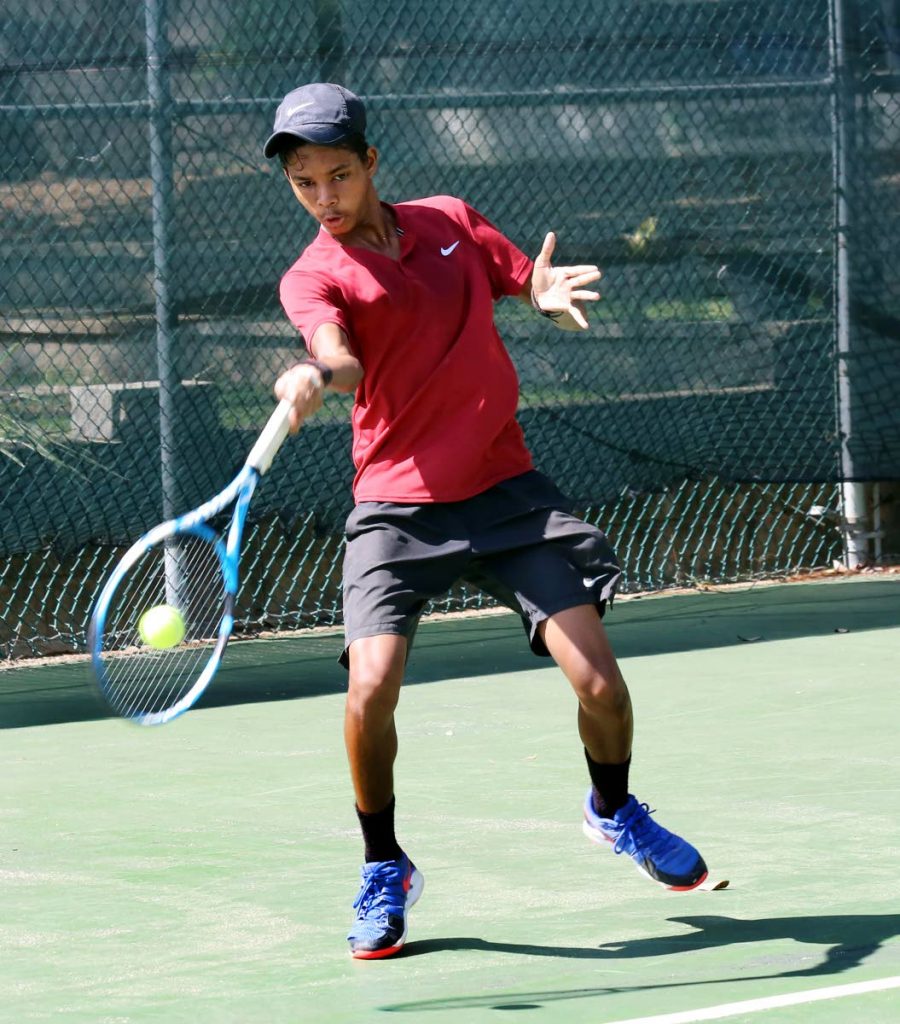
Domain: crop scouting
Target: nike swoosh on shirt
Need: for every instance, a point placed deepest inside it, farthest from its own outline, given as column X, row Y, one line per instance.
column 449, row 249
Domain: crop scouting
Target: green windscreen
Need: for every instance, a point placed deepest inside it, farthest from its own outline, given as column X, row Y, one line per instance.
column 734, row 167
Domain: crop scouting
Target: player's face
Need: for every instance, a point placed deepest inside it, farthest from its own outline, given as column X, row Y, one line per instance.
column 333, row 185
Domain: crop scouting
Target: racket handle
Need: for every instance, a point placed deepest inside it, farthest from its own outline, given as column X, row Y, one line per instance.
column 271, row 438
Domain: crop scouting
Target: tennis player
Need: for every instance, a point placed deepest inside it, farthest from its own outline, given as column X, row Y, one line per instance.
column 395, row 303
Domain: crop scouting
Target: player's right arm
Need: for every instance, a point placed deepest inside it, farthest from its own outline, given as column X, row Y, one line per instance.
column 331, row 347
column 304, row 383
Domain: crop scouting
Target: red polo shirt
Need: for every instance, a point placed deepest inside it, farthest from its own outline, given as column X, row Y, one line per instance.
column 434, row 415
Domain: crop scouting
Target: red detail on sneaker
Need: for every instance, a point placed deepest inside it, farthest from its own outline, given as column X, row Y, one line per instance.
column 688, row 888
column 407, row 881
column 375, row 954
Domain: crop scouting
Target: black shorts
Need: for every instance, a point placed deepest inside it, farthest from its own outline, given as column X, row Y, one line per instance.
column 517, row 541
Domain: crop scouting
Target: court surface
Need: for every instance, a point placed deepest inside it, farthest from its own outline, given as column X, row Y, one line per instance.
column 204, row 871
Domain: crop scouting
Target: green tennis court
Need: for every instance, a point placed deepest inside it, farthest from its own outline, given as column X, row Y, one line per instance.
column 204, row 871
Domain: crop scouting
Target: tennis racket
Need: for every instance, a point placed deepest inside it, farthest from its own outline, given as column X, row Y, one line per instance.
column 189, row 564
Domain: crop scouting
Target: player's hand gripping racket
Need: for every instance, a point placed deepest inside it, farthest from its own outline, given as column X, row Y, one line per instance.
column 152, row 667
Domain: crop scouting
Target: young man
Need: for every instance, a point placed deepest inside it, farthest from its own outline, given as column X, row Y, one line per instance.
column 395, row 303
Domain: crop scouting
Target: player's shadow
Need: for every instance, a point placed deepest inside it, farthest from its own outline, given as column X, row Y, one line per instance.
column 849, row 938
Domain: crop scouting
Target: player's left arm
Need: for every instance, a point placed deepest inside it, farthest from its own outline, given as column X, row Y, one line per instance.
column 559, row 293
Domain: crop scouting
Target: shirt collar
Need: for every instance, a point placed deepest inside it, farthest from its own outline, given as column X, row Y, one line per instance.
column 407, row 238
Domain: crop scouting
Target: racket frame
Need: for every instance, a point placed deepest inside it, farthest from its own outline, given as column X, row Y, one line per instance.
column 195, row 523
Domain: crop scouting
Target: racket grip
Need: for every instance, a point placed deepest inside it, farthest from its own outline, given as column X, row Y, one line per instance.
column 271, row 438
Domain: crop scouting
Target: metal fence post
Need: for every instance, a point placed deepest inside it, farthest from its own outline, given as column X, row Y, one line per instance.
column 161, row 184
column 853, row 494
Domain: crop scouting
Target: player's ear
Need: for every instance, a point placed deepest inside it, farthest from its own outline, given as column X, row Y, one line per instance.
column 371, row 162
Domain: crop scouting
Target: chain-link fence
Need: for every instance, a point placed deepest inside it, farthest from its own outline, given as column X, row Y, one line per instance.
column 734, row 167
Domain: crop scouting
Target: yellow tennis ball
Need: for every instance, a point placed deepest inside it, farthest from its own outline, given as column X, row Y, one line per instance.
column 161, row 626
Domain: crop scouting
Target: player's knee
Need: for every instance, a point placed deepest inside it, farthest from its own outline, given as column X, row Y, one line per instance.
column 604, row 694
column 373, row 691
column 376, row 673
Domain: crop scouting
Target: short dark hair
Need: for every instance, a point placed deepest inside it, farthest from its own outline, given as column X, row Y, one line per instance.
column 354, row 143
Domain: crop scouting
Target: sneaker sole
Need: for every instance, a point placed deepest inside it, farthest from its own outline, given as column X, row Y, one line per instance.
column 416, row 885
column 599, row 838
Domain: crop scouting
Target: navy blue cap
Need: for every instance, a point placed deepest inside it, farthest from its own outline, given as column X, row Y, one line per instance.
column 321, row 113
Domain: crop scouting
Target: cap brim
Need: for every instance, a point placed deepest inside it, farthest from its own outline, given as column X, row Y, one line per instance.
column 318, row 134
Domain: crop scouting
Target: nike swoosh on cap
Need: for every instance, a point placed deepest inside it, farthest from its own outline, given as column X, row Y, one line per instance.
column 449, row 249
column 300, row 106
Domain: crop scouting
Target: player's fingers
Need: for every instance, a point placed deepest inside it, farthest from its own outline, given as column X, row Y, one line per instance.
column 577, row 276
column 306, row 381
column 282, row 389
column 582, row 296
column 578, row 316
column 545, row 255
column 302, row 387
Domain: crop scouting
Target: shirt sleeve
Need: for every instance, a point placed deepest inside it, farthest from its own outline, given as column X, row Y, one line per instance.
column 507, row 266
column 310, row 300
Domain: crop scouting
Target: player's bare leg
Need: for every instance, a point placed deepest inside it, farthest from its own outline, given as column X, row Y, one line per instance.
column 376, row 675
column 390, row 882
column 578, row 643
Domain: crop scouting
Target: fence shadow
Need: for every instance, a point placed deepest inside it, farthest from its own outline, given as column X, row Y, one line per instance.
column 292, row 667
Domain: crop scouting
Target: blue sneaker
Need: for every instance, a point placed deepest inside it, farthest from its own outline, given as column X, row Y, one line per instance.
column 657, row 853
column 389, row 889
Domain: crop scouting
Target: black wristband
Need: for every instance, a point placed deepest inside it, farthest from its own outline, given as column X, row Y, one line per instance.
column 550, row 316
column 326, row 371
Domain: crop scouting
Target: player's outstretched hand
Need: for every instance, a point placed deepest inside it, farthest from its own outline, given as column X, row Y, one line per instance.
column 302, row 386
column 561, row 290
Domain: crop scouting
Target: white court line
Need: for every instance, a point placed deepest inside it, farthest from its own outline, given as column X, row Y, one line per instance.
column 768, row 1003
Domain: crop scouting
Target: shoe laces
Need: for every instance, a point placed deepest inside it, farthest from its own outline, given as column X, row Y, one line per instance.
column 645, row 834
column 381, row 892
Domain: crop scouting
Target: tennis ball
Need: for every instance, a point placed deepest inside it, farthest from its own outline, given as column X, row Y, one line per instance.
column 161, row 626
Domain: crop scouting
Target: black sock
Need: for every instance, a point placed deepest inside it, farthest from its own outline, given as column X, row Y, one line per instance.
column 609, row 784
column 378, row 833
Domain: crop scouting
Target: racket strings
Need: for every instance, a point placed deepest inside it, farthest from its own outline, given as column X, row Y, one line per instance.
column 184, row 572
